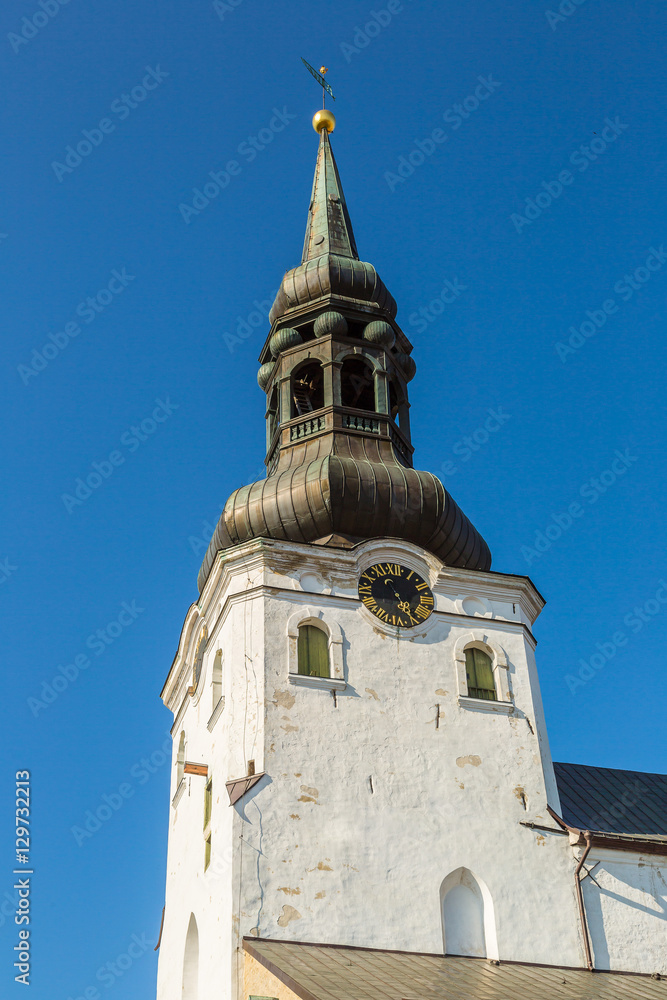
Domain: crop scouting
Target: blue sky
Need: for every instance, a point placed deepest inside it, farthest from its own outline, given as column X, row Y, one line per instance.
column 539, row 200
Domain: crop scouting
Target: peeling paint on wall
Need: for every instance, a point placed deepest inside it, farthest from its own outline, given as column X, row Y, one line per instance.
column 284, row 698
column 472, row 759
column 288, row 914
column 310, row 794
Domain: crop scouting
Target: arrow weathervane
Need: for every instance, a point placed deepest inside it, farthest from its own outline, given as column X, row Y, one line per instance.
column 320, row 79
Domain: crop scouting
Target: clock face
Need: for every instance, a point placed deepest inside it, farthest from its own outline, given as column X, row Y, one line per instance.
column 396, row 595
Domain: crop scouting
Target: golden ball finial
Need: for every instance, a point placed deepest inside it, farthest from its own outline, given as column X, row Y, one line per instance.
column 323, row 70
column 324, row 119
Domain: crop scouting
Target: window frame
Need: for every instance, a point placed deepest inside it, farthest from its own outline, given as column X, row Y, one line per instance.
column 478, row 639
column 321, row 619
column 208, row 812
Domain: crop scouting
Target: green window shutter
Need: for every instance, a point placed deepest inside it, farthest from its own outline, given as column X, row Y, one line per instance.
column 313, row 651
column 479, row 672
column 208, row 801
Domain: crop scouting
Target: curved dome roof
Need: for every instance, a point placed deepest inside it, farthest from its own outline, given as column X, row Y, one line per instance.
column 332, row 274
column 353, row 491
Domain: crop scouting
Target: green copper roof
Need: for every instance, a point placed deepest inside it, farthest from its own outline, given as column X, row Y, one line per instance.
column 329, row 229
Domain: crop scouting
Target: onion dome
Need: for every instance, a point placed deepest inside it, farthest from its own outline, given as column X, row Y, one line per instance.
column 379, row 332
column 346, row 495
column 283, row 339
column 264, row 374
column 330, row 322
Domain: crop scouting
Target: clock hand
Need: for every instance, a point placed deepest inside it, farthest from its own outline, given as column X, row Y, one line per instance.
column 391, row 583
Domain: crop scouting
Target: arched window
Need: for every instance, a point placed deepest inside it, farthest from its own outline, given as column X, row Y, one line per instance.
column 313, row 651
column 199, row 656
column 479, row 671
column 307, row 389
column 216, row 679
column 180, row 760
column 190, row 989
column 357, row 385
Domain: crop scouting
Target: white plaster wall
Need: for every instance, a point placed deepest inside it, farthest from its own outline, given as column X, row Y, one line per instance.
column 344, row 864
column 211, row 895
column 627, row 914
column 367, row 805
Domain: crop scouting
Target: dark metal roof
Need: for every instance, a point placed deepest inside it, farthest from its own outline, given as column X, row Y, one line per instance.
column 329, row 972
column 352, row 488
column 608, row 800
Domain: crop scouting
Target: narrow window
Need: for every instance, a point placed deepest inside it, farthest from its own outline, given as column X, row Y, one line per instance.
column 480, row 675
column 208, row 804
column 313, row 651
column 180, row 760
column 208, row 801
column 216, row 681
column 199, row 656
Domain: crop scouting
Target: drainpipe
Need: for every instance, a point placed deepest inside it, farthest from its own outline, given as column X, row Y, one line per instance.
column 580, row 900
column 575, row 838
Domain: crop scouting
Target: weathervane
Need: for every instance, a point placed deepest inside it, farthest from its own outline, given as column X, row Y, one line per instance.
column 324, row 119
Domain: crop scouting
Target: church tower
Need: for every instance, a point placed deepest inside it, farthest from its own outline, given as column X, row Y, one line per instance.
column 360, row 753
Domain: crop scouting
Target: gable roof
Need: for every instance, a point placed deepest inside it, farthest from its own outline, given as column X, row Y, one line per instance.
column 609, row 800
column 334, row 972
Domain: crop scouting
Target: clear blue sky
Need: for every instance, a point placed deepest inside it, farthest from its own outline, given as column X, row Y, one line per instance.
column 157, row 332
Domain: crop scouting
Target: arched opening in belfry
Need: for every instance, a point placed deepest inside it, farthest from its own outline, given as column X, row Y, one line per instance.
column 190, row 989
column 357, row 384
column 307, row 389
column 395, row 400
column 272, row 412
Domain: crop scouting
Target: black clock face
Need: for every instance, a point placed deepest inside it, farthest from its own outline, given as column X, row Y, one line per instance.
column 396, row 595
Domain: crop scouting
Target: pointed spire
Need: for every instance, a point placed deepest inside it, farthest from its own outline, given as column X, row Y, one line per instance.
column 329, row 229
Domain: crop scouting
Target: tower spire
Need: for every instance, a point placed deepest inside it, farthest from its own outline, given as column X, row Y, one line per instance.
column 329, row 229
